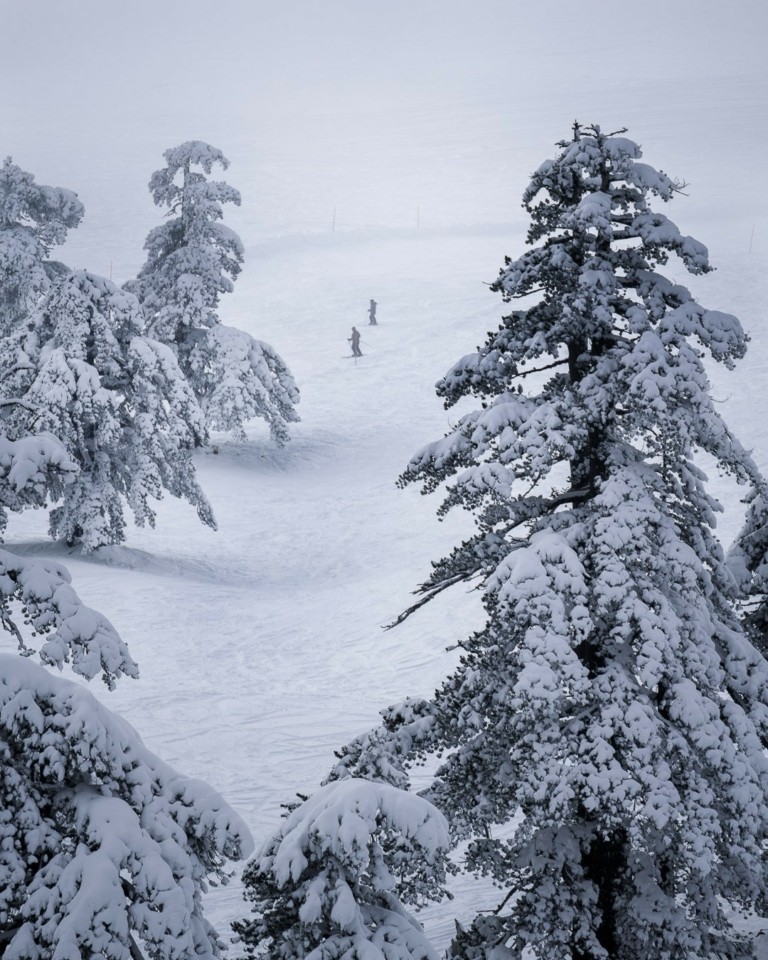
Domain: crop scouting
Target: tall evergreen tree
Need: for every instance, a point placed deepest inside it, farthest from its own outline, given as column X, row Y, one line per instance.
column 612, row 698
column 192, row 259
column 116, row 400
column 33, row 219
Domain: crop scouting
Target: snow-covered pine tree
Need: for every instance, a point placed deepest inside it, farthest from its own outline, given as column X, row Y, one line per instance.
column 33, row 218
column 116, row 400
column 612, row 699
column 192, row 259
column 324, row 886
column 106, row 850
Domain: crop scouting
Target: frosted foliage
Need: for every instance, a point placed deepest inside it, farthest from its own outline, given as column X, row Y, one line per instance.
column 32, row 468
column 748, row 561
column 117, row 402
column 192, row 259
column 613, row 697
column 383, row 754
column 39, row 594
column 323, row 886
column 33, row 218
column 239, row 378
column 105, row 847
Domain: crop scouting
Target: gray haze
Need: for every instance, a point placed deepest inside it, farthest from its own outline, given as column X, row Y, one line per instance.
column 382, row 111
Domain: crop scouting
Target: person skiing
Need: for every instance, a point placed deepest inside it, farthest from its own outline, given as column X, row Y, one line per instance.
column 372, row 314
column 355, row 341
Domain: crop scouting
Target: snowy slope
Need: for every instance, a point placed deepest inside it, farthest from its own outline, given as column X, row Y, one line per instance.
column 261, row 646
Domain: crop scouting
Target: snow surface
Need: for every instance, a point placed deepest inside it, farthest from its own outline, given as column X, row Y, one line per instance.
column 261, row 645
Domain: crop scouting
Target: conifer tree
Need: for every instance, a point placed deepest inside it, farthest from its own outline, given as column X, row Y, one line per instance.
column 330, row 882
column 192, row 259
column 613, row 697
column 117, row 402
column 104, row 849
column 33, row 218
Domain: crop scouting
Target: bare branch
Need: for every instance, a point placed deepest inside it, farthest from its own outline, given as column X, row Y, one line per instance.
column 549, row 366
column 433, row 592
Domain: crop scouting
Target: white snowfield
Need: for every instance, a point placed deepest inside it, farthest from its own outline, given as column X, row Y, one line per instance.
column 261, row 646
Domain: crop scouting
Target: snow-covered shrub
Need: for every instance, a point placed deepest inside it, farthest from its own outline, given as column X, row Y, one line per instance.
column 192, row 258
column 329, row 883
column 114, row 398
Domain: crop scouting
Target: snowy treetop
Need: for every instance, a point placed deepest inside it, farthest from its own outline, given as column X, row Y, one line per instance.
column 49, row 211
column 324, row 885
column 195, row 197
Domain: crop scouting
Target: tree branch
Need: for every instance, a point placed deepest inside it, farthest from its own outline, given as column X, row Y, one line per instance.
column 433, row 592
column 549, row 366
column 14, row 401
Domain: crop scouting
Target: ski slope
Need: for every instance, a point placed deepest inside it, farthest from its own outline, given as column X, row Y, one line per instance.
column 383, row 158
column 261, row 645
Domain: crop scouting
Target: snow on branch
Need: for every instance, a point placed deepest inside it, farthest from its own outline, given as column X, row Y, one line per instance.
column 104, row 845
column 32, row 469
column 40, row 592
column 324, row 886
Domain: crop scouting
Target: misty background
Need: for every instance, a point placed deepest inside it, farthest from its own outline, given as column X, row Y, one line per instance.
column 427, row 113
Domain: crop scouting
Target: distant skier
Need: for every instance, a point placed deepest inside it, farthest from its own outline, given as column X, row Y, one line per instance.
column 355, row 341
column 372, row 314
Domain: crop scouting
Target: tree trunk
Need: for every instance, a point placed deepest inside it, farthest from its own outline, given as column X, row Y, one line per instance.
column 604, row 866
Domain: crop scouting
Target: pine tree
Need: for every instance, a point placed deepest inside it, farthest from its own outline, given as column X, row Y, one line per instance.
column 115, row 399
column 324, row 885
column 33, row 218
column 106, row 850
column 192, row 259
column 612, row 698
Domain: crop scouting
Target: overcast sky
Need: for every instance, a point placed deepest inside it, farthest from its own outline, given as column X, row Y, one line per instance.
column 372, row 108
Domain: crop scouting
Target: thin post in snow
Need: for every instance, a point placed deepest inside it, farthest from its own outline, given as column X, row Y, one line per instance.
column 751, row 238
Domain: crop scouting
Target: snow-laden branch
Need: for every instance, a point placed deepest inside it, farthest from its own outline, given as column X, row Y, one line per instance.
column 103, row 844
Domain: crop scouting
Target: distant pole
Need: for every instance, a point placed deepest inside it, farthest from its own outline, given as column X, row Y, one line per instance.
column 751, row 237
column 110, row 268
column 333, row 225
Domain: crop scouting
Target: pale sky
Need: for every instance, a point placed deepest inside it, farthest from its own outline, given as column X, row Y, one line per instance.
column 374, row 109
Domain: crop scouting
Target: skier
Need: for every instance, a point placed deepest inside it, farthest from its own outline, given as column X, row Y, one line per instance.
column 372, row 314
column 355, row 341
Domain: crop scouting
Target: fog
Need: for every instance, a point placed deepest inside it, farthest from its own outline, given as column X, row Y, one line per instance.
column 345, row 114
